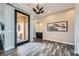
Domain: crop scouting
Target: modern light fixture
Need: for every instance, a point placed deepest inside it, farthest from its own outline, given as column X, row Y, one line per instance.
column 38, row 10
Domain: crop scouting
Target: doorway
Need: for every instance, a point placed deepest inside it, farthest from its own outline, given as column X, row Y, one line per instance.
column 22, row 28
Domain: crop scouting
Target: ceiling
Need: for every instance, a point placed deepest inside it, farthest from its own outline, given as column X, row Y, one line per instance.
column 48, row 7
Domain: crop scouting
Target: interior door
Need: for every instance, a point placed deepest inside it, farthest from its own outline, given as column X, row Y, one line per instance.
column 22, row 28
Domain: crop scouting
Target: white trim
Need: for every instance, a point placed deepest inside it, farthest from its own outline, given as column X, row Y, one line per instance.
column 8, row 48
column 61, row 42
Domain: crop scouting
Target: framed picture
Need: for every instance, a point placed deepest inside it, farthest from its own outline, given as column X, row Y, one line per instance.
column 61, row 26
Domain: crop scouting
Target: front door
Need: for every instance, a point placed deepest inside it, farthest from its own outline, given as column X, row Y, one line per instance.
column 22, row 28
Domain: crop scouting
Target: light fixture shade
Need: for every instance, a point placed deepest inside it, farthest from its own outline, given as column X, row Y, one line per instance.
column 38, row 10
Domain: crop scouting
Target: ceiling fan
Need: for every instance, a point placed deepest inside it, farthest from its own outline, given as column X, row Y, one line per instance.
column 38, row 9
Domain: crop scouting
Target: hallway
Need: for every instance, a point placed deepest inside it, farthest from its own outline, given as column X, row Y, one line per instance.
column 57, row 25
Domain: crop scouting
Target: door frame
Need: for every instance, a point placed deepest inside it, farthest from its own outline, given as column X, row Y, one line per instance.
column 16, row 28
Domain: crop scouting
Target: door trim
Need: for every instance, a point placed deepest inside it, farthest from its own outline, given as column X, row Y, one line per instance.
column 16, row 28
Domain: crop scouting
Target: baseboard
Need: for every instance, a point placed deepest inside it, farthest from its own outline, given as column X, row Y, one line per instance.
column 9, row 48
column 61, row 42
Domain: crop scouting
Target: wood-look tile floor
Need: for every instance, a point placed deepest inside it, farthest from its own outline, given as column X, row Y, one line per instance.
column 45, row 48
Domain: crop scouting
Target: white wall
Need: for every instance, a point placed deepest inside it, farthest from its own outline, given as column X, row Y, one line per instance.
column 2, row 6
column 9, row 20
column 77, row 30
column 1, row 21
column 64, row 37
column 31, row 27
column 7, row 16
column 1, row 12
column 9, row 27
column 34, row 28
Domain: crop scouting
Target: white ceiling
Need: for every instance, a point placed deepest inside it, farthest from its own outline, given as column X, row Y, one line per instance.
column 48, row 7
